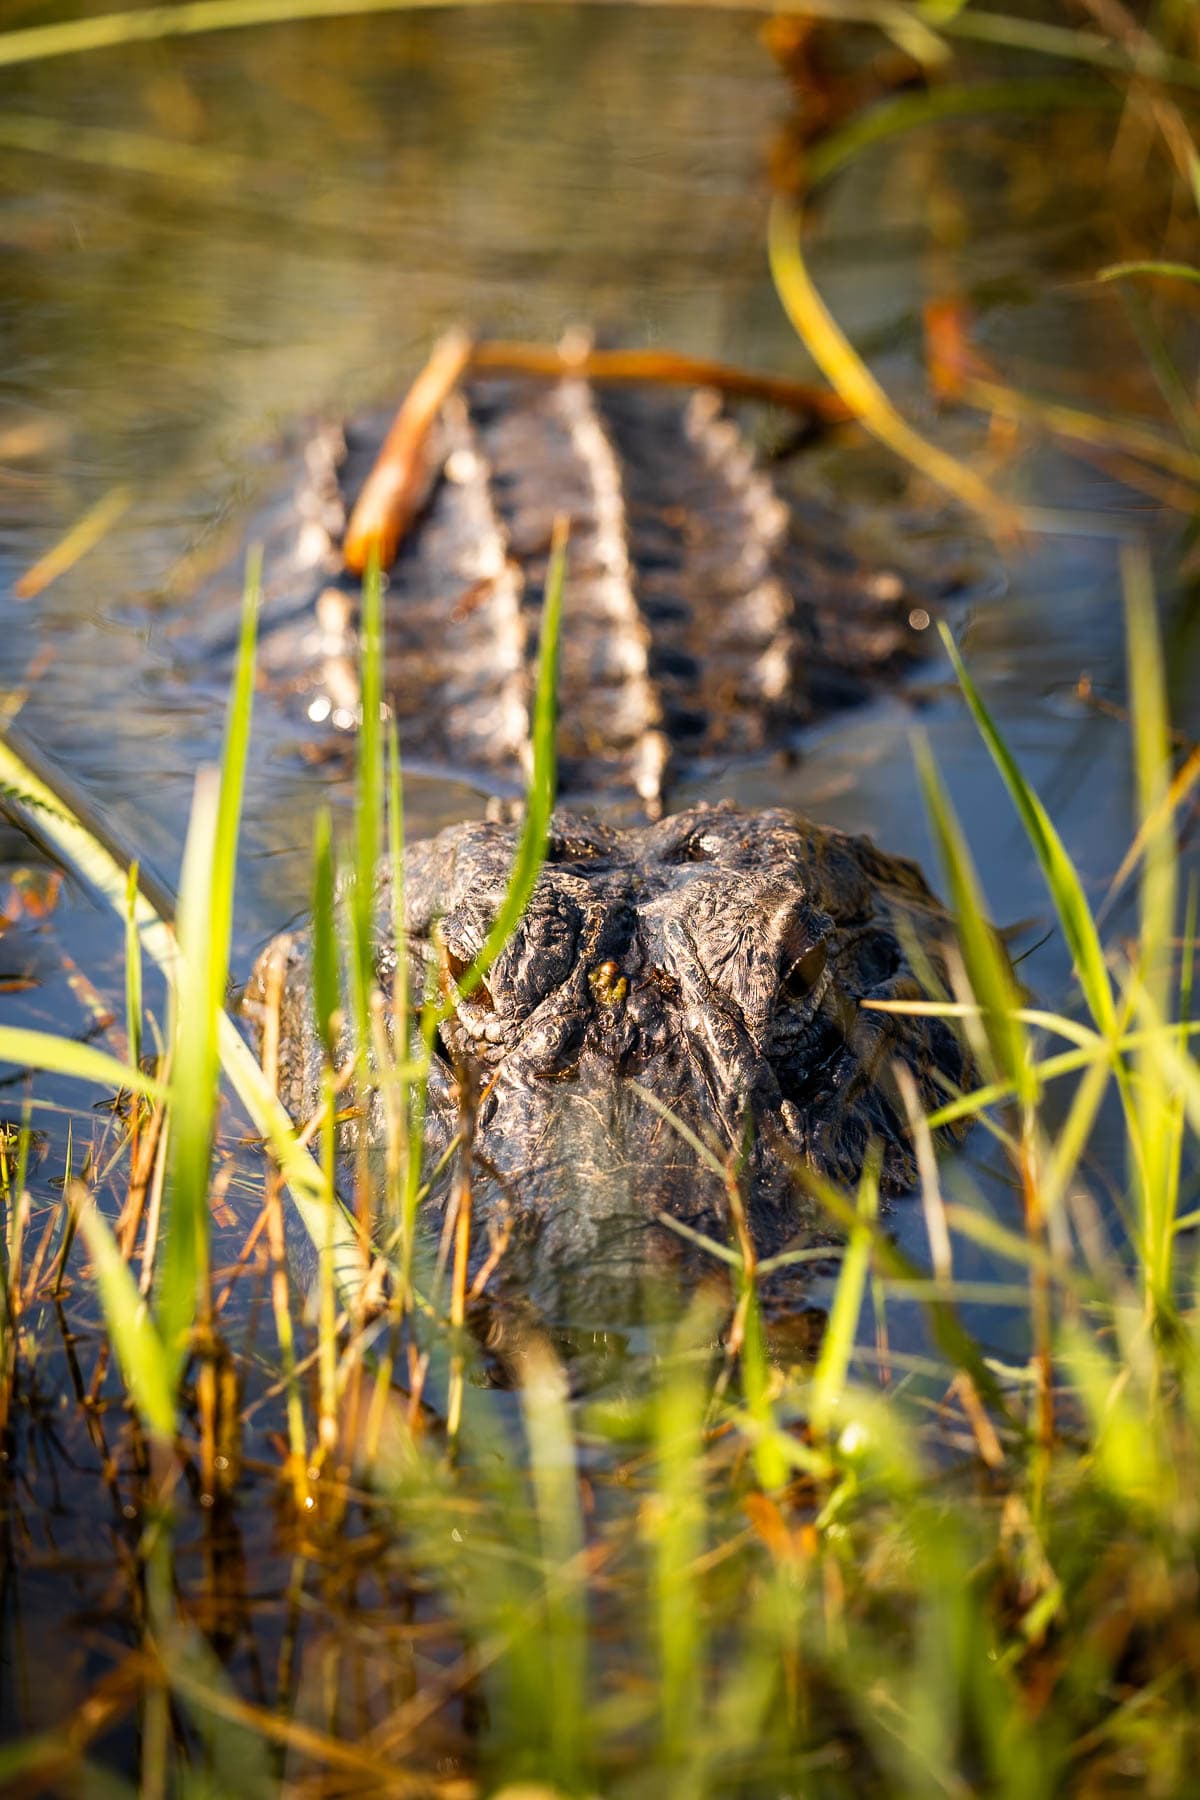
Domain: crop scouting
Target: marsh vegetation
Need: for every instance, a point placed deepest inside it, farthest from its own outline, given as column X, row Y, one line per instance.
column 934, row 1530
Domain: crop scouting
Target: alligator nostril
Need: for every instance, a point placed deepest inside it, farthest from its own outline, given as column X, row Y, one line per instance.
column 805, row 972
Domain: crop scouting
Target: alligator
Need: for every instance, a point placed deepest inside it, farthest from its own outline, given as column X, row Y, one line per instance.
column 682, row 1017
column 705, row 619
column 702, row 980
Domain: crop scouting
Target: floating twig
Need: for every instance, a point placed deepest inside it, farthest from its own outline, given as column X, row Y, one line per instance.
column 396, row 485
column 664, row 368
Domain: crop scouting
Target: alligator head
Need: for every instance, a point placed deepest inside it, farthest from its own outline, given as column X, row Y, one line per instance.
column 704, row 978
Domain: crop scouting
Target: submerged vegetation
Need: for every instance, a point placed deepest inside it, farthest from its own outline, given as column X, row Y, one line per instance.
column 741, row 1555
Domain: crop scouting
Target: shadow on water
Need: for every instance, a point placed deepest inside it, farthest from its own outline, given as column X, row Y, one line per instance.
column 208, row 242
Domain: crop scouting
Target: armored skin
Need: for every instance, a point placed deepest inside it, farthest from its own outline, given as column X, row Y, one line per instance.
column 705, row 620
column 717, row 961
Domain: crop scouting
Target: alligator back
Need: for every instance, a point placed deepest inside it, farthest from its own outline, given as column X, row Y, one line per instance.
column 703, row 619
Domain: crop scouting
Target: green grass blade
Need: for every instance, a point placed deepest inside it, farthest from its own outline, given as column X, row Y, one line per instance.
column 770, row 1464
column 404, row 1147
column 1152, row 766
column 205, row 929
column 931, row 106
column 1154, row 1140
column 531, row 849
column 837, row 1344
column 326, row 994
column 133, row 971
column 194, row 1082
column 368, row 796
column 552, row 1462
column 63, row 1056
column 987, row 966
column 677, row 1528
column 1162, row 271
column 147, row 1365
column 233, row 780
column 1059, row 873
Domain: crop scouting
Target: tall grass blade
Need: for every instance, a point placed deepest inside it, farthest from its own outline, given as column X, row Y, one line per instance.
column 1154, row 1146
column 205, row 931
column 83, row 1062
column 368, row 795
column 1152, row 766
column 987, row 966
column 326, row 992
column 1161, row 271
column 133, row 971
column 678, row 1526
column 403, row 1148
column 194, row 1082
column 531, row 847
column 840, row 363
column 149, row 1367
column 837, row 1343
column 233, row 777
column 552, row 1460
column 1061, row 876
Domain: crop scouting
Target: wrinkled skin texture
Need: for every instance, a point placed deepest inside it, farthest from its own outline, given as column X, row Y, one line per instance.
column 718, row 961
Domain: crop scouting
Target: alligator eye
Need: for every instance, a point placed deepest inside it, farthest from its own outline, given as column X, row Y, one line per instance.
column 481, row 993
column 805, row 972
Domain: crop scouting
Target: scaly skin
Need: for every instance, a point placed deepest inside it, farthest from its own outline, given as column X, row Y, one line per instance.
column 704, row 619
column 717, row 960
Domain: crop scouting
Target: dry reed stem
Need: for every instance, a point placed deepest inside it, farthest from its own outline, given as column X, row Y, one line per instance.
column 981, row 1425
column 144, row 1145
column 29, row 1288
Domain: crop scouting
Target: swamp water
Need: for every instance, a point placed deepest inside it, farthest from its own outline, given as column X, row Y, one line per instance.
column 207, row 241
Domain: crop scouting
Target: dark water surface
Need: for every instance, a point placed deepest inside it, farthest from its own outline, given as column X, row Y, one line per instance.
column 207, row 241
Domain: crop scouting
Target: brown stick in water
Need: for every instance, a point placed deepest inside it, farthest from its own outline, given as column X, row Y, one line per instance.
column 665, row 367
column 394, row 489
